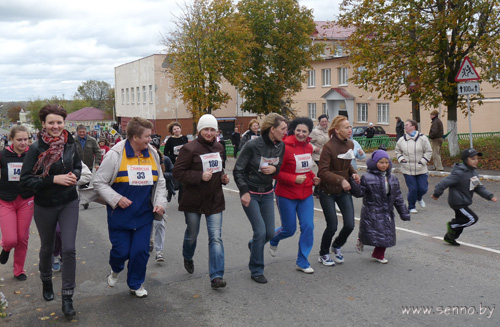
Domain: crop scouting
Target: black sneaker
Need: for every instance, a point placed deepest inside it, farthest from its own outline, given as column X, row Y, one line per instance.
column 259, row 279
column 4, row 257
column 218, row 283
column 189, row 265
column 450, row 240
column 21, row 277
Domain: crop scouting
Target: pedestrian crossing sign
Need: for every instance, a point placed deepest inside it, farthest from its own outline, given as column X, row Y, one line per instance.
column 467, row 72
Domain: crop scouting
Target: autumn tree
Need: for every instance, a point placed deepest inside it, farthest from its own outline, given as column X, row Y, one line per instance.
column 13, row 113
column 281, row 52
column 415, row 48
column 208, row 47
column 94, row 92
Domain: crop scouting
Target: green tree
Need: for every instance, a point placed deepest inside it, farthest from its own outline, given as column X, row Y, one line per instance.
column 208, row 47
column 34, row 107
column 416, row 47
column 94, row 92
column 281, row 52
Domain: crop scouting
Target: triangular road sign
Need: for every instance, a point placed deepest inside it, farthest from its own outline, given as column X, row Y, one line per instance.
column 467, row 72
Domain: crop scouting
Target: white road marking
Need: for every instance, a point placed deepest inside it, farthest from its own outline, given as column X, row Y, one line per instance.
column 480, row 247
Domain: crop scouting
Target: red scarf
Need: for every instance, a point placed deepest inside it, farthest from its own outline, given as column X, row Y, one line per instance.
column 53, row 153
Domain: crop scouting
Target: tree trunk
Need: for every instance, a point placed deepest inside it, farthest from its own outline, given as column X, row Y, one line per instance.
column 453, row 138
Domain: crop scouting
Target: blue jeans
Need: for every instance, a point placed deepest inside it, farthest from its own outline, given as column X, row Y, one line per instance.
column 417, row 187
column 215, row 245
column 290, row 209
column 344, row 201
column 260, row 213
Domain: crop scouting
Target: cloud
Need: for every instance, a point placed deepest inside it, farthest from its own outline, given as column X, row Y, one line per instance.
column 50, row 47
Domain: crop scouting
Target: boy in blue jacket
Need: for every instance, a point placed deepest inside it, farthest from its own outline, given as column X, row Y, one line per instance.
column 463, row 182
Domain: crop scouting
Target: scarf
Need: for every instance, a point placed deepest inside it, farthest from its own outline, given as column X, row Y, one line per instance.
column 53, row 153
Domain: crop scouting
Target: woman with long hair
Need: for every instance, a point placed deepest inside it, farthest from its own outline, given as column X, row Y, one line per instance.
column 259, row 161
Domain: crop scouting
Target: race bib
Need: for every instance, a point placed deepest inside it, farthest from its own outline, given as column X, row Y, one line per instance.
column 264, row 162
column 349, row 155
column 253, row 137
column 303, row 163
column 103, row 152
column 211, row 162
column 14, row 171
column 140, row 175
column 474, row 182
column 177, row 149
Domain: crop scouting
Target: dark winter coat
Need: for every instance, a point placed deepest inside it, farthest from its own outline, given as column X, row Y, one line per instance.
column 377, row 226
column 197, row 195
column 463, row 182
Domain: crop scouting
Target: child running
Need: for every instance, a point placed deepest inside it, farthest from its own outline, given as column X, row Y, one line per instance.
column 381, row 193
column 463, row 182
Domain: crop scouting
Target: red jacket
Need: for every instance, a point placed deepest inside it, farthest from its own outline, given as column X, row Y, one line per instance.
column 286, row 186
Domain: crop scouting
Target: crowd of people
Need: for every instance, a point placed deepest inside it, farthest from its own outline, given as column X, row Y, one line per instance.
column 293, row 160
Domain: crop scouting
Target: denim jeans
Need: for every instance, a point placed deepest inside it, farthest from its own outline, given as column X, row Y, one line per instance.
column 344, row 201
column 260, row 213
column 215, row 245
column 289, row 211
column 417, row 187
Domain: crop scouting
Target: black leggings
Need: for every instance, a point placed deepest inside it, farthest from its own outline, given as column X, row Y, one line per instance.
column 46, row 219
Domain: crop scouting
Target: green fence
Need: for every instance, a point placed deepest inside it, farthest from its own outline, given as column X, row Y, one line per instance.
column 466, row 136
column 376, row 141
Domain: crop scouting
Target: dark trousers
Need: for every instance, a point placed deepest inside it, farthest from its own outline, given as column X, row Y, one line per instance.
column 464, row 217
column 46, row 219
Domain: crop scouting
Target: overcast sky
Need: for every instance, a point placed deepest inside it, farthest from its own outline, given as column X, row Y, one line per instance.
column 50, row 47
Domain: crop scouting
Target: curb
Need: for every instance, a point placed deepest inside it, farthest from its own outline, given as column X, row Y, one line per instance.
column 441, row 173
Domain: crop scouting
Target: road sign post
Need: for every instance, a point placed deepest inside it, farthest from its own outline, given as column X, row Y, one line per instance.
column 467, row 73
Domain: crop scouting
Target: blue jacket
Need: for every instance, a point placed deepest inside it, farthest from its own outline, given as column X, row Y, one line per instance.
column 377, row 226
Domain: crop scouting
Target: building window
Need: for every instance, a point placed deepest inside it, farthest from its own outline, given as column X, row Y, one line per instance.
column 311, row 78
column 342, row 76
column 128, row 95
column 383, row 113
column 144, row 99
column 312, row 110
column 138, row 95
column 323, row 109
column 151, row 94
column 132, row 95
column 123, row 96
column 362, row 112
column 339, row 51
column 326, row 77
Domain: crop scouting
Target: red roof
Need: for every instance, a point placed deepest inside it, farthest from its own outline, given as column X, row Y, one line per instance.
column 87, row 113
column 329, row 30
column 340, row 91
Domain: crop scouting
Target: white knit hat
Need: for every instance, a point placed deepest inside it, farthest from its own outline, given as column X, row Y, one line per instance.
column 207, row 121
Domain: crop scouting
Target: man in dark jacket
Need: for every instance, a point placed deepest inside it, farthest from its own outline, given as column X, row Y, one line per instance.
column 235, row 140
column 400, row 128
column 87, row 148
column 370, row 131
column 436, row 137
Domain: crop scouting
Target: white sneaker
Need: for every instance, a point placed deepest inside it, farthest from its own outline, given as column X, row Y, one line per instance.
column 273, row 250
column 413, row 211
column 421, row 203
column 140, row 293
column 112, row 279
column 159, row 257
column 359, row 246
column 338, row 257
column 337, row 208
column 307, row 270
column 326, row 260
column 384, row 260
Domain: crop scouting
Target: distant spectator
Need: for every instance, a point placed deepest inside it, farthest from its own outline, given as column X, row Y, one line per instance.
column 400, row 128
column 436, row 136
column 235, row 140
column 370, row 131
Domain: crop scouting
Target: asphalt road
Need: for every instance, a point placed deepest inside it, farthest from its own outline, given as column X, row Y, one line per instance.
column 450, row 286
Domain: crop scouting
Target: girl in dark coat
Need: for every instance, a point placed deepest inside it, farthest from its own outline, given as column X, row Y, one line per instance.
column 381, row 194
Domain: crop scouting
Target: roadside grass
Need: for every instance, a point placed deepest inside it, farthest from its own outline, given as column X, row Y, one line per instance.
column 488, row 146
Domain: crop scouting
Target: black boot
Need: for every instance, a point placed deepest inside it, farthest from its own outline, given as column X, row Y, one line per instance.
column 48, row 291
column 4, row 257
column 67, row 304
